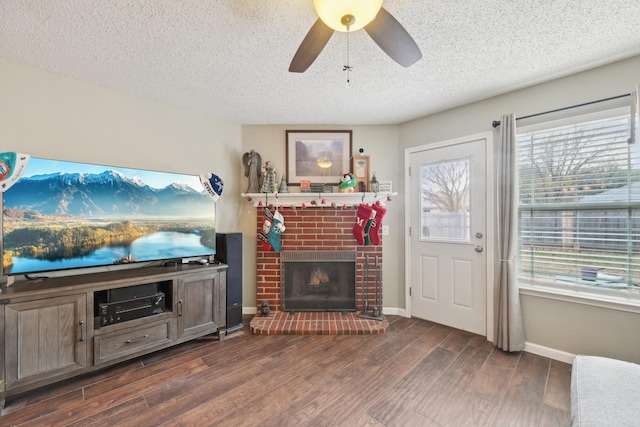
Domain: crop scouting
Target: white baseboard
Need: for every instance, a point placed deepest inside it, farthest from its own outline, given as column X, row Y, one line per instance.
column 551, row 353
column 394, row 311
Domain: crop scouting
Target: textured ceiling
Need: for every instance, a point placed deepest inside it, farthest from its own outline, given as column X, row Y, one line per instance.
column 229, row 58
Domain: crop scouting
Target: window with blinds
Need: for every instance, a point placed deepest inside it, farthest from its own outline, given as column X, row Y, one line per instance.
column 579, row 203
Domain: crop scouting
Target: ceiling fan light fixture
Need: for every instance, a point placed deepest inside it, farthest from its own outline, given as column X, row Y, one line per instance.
column 332, row 11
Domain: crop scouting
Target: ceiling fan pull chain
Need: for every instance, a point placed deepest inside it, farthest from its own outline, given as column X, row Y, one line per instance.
column 348, row 67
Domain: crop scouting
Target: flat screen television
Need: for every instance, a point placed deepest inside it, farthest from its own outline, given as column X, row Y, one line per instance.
column 65, row 215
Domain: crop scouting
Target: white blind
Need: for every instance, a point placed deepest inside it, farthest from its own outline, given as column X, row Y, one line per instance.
column 579, row 204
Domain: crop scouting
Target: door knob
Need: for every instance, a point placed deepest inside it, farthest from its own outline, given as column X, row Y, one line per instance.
column 479, row 248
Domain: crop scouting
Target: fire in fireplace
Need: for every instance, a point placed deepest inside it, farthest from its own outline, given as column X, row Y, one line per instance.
column 318, row 280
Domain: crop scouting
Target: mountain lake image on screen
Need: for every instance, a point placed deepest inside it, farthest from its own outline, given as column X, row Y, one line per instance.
column 66, row 215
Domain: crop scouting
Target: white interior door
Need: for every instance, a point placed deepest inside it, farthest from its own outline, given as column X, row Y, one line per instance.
column 448, row 276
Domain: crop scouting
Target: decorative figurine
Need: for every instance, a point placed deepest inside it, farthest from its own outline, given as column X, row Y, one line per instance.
column 269, row 184
column 264, row 309
column 347, row 183
column 252, row 163
column 283, row 185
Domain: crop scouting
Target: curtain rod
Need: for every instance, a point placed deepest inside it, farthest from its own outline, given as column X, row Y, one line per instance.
column 496, row 123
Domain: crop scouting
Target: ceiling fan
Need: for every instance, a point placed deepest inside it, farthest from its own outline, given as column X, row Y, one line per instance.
column 351, row 15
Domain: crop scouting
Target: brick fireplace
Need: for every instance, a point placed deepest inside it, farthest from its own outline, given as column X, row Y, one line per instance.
column 308, row 230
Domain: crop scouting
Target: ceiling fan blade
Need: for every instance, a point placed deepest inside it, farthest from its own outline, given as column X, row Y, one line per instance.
column 313, row 43
column 393, row 39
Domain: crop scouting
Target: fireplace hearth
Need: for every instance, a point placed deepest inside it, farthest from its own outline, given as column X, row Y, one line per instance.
column 318, row 280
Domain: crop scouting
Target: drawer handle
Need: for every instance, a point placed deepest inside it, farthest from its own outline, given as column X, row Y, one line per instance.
column 83, row 331
column 137, row 339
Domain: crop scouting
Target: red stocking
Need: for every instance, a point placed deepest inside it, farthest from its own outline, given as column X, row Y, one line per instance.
column 363, row 215
column 374, row 232
column 266, row 227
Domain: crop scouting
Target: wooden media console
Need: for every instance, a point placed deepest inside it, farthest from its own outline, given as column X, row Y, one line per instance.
column 52, row 329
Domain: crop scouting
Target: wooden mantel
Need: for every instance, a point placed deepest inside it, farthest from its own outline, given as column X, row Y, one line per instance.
column 316, row 199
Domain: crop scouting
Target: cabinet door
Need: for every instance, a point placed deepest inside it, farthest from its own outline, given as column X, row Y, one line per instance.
column 44, row 339
column 201, row 304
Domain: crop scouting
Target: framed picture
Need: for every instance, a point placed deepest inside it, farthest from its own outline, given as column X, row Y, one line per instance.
column 361, row 165
column 386, row 186
column 318, row 156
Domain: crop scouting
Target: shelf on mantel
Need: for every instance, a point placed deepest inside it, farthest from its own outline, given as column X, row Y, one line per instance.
column 317, row 200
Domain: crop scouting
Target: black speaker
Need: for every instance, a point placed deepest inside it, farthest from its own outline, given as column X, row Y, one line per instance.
column 229, row 251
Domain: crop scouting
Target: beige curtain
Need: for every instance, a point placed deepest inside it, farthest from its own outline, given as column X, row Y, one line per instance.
column 635, row 116
column 509, row 326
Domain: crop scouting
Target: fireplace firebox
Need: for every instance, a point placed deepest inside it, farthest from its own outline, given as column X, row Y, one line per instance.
column 318, row 280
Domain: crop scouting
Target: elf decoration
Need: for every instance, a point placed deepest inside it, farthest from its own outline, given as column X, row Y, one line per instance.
column 347, row 183
column 368, row 224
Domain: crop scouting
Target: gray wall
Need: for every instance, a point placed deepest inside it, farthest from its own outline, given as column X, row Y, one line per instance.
column 570, row 325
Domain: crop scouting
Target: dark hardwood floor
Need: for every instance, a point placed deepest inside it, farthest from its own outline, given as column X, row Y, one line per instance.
column 416, row 374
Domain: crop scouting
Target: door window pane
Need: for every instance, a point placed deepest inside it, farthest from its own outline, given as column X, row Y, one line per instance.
column 444, row 201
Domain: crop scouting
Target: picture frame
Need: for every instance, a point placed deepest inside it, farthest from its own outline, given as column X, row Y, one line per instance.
column 361, row 170
column 318, row 156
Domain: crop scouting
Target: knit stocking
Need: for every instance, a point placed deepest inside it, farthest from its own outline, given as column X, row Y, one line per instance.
column 374, row 232
column 363, row 215
column 275, row 234
column 266, row 227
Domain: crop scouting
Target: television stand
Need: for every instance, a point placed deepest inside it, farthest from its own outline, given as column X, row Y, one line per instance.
column 53, row 329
